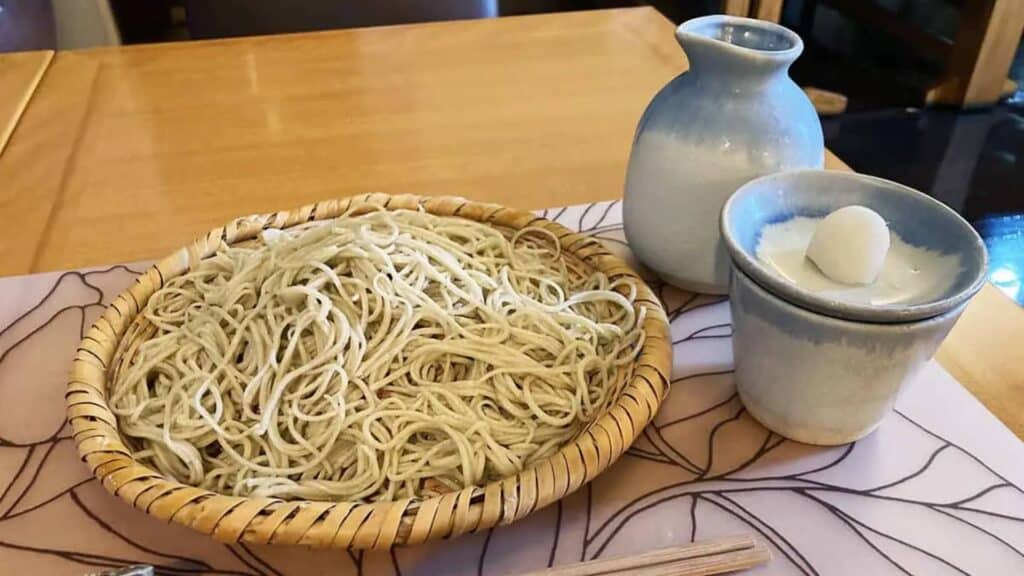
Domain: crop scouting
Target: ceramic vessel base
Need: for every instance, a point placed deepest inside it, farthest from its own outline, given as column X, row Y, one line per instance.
column 795, row 432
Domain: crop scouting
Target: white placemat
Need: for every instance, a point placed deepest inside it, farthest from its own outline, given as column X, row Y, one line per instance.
column 935, row 490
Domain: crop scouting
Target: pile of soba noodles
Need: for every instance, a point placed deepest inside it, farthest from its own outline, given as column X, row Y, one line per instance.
column 379, row 356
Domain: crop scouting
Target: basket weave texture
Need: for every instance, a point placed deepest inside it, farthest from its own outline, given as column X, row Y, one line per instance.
column 342, row 524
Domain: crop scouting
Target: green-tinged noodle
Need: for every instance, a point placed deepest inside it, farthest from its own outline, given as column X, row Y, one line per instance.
column 374, row 357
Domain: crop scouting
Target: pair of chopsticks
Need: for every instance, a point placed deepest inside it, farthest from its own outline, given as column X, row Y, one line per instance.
column 698, row 559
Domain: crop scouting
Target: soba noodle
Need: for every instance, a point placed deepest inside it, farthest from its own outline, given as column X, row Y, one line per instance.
column 373, row 357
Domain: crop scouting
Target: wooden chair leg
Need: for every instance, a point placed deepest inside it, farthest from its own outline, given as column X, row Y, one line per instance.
column 770, row 10
column 983, row 51
column 736, row 7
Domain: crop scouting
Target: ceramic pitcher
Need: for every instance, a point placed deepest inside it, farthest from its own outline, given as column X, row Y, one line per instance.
column 733, row 116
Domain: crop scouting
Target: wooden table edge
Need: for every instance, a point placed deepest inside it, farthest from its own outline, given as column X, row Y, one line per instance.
column 11, row 124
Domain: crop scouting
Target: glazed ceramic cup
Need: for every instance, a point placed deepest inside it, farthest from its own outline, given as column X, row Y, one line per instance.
column 818, row 370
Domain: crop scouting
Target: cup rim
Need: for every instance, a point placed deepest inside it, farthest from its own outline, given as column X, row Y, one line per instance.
column 892, row 313
column 838, row 321
column 686, row 31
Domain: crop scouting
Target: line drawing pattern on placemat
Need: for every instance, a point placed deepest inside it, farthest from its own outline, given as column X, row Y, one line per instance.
column 911, row 498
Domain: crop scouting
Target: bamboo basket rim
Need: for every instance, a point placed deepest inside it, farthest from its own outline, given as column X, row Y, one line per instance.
column 349, row 525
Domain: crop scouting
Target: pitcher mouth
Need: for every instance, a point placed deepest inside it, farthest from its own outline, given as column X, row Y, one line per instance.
column 755, row 37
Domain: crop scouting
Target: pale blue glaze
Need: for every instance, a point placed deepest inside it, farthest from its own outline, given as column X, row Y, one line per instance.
column 734, row 116
column 819, row 370
column 917, row 218
column 818, row 379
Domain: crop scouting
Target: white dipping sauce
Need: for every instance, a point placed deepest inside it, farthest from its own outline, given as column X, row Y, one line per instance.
column 909, row 274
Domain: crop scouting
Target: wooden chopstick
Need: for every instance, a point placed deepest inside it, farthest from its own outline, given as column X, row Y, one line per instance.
column 700, row 558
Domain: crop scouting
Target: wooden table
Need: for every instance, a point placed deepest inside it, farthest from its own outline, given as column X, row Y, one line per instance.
column 127, row 153
column 20, row 73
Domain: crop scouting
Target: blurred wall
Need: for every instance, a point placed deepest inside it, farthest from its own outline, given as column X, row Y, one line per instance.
column 84, row 24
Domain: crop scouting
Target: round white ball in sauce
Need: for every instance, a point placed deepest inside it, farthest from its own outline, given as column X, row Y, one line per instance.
column 849, row 245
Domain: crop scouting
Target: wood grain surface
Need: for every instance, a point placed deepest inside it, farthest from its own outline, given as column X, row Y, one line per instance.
column 20, row 73
column 127, row 153
column 985, row 352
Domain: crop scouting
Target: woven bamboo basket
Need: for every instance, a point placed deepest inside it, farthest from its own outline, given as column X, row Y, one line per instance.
column 341, row 524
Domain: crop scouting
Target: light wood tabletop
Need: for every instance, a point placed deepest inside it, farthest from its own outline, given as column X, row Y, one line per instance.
column 147, row 146
column 127, row 153
column 20, row 73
